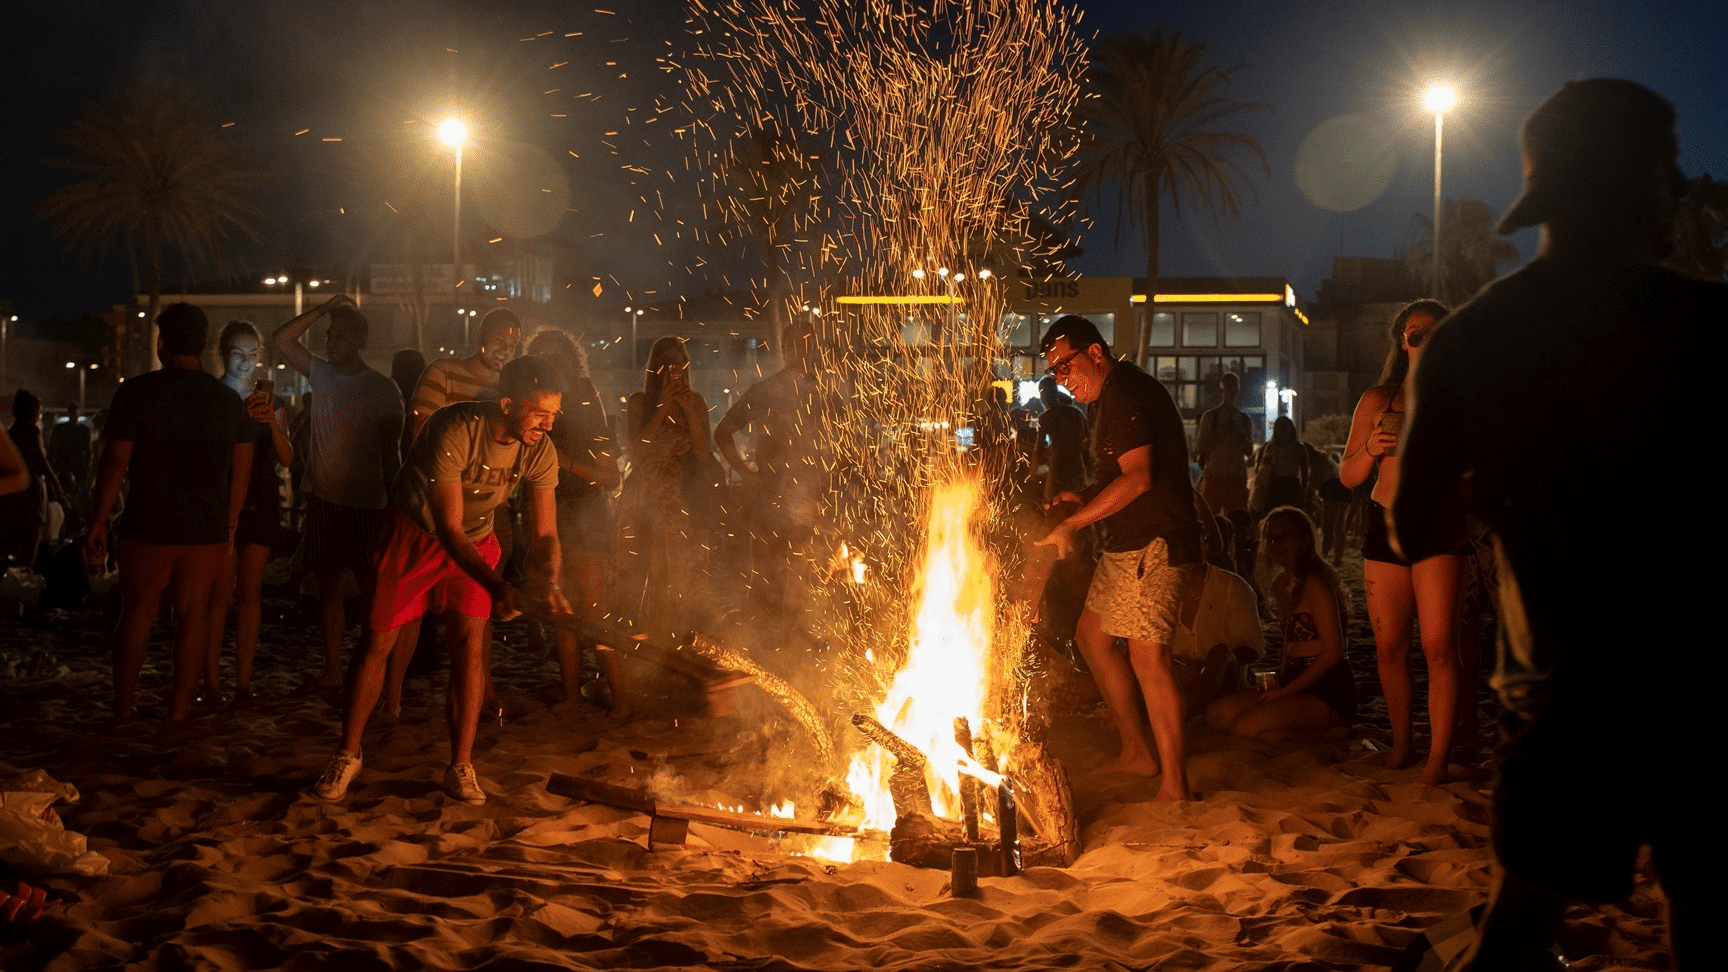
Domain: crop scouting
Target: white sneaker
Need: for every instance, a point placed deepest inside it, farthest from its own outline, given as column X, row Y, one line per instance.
column 338, row 773
column 461, row 782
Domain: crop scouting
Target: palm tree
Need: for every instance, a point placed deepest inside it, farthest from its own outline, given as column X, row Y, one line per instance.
column 1151, row 109
column 1471, row 252
column 158, row 179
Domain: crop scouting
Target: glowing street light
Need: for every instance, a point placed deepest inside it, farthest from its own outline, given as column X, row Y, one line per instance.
column 454, row 132
column 1439, row 99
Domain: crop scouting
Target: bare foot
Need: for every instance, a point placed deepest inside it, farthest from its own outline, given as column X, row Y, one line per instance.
column 1433, row 775
column 1398, row 759
column 1146, row 766
column 1173, row 791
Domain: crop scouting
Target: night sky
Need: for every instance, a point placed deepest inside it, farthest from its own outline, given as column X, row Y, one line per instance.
column 359, row 71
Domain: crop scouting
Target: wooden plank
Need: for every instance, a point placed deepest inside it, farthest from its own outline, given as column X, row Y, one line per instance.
column 594, row 791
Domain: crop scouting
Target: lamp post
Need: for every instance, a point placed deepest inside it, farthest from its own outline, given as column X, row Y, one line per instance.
column 453, row 133
column 1439, row 98
column 632, row 316
column 82, row 373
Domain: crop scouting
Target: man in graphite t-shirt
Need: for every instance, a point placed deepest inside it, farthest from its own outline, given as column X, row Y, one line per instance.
column 439, row 554
column 1141, row 495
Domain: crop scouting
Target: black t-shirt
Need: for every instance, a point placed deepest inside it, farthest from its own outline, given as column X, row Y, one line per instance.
column 1571, row 395
column 1134, row 410
column 183, row 426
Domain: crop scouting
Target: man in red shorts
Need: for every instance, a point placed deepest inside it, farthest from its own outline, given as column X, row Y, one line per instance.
column 438, row 554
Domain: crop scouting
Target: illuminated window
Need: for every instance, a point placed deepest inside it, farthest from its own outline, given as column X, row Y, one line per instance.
column 1242, row 330
column 1200, row 329
column 1163, row 331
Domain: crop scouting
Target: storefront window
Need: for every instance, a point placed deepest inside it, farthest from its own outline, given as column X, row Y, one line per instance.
column 1163, row 331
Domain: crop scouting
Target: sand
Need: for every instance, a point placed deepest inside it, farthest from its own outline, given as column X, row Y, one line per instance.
column 1295, row 858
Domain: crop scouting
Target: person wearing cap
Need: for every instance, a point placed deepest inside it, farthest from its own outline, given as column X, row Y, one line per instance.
column 1510, row 420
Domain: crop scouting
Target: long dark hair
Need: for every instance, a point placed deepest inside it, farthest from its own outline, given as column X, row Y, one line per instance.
column 1397, row 358
column 1310, row 564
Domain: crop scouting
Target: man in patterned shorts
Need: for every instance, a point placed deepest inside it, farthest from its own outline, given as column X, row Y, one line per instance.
column 1141, row 495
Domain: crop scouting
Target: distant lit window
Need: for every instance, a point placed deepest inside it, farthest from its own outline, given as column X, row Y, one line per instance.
column 1200, row 329
column 1162, row 334
column 1242, row 330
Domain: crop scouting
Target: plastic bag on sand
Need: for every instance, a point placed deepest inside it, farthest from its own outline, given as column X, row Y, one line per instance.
column 32, row 839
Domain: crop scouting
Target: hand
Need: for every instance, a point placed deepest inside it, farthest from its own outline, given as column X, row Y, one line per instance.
column 1381, row 442
column 1274, row 694
column 340, row 300
column 96, row 548
column 261, row 406
column 1062, row 538
column 1065, row 497
column 506, row 603
column 557, row 602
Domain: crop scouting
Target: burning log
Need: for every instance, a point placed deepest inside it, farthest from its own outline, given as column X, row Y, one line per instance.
column 968, row 783
column 1045, row 800
column 669, row 823
column 906, row 784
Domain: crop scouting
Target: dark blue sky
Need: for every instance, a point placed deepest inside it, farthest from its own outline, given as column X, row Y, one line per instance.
column 352, row 70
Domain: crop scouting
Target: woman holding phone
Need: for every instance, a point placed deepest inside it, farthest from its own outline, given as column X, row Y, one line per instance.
column 260, row 523
column 1400, row 592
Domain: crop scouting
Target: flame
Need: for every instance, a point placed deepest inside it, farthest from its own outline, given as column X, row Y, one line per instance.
column 947, row 662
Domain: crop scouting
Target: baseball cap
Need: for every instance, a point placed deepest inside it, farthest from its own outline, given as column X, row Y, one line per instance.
column 1587, row 142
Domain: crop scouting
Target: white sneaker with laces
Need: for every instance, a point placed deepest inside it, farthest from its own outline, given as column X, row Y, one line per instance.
column 338, row 773
column 461, row 782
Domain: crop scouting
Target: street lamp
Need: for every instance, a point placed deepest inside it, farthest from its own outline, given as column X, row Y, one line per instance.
column 82, row 372
column 1438, row 99
column 632, row 317
column 454, row 132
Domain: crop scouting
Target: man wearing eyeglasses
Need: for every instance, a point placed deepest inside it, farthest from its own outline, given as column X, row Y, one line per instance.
column 1141, row 495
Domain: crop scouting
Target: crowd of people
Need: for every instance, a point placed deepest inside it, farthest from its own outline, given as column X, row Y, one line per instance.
column 1466, row 475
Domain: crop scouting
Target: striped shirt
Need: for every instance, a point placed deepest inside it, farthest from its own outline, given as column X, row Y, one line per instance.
column 451, row 380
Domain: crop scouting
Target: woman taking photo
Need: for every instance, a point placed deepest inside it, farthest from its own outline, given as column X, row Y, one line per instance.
column 1400, row 592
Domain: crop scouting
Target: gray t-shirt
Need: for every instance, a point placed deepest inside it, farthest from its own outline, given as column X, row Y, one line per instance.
column 455, row 443
column 346, row 463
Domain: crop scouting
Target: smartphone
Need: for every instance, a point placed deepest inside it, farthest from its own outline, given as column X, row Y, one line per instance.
column 267, row 386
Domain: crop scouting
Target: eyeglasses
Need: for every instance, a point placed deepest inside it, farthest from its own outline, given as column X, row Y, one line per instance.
column 1060, row 368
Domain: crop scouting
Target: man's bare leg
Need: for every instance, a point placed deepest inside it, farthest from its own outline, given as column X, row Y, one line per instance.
column 407, row 640
column 1151, row 665
column 332, row 620
column 365, row 684
column 1117, row 684
column 248, row 613
column 467, row 682
column 143, row 578
column 216, row 624
column 195, row 571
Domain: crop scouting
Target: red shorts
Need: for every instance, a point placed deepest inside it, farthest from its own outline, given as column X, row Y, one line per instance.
column 416, row 575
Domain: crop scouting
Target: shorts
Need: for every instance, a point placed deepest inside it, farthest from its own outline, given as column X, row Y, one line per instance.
column 341, row 537
column 416, row 575
column 585, row 527
column 1377, row 539
column 1136, row 594
column 258, row 528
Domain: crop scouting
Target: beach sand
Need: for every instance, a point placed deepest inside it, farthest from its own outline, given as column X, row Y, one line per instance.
column 1294, row 858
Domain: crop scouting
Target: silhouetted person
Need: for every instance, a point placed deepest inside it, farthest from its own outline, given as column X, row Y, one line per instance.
column 354, row 426
column 406, row 366
column 1606, row 673
column 26, row 433
column 783, row 479
column 181, row 440
column 1061, row 442
column 1223, row 444
column 70, row 452
column 439, row 554
column 18, row 526
column 1152, row 542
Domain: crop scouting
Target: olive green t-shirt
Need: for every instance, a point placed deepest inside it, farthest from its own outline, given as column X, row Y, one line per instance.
column 455, row 443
